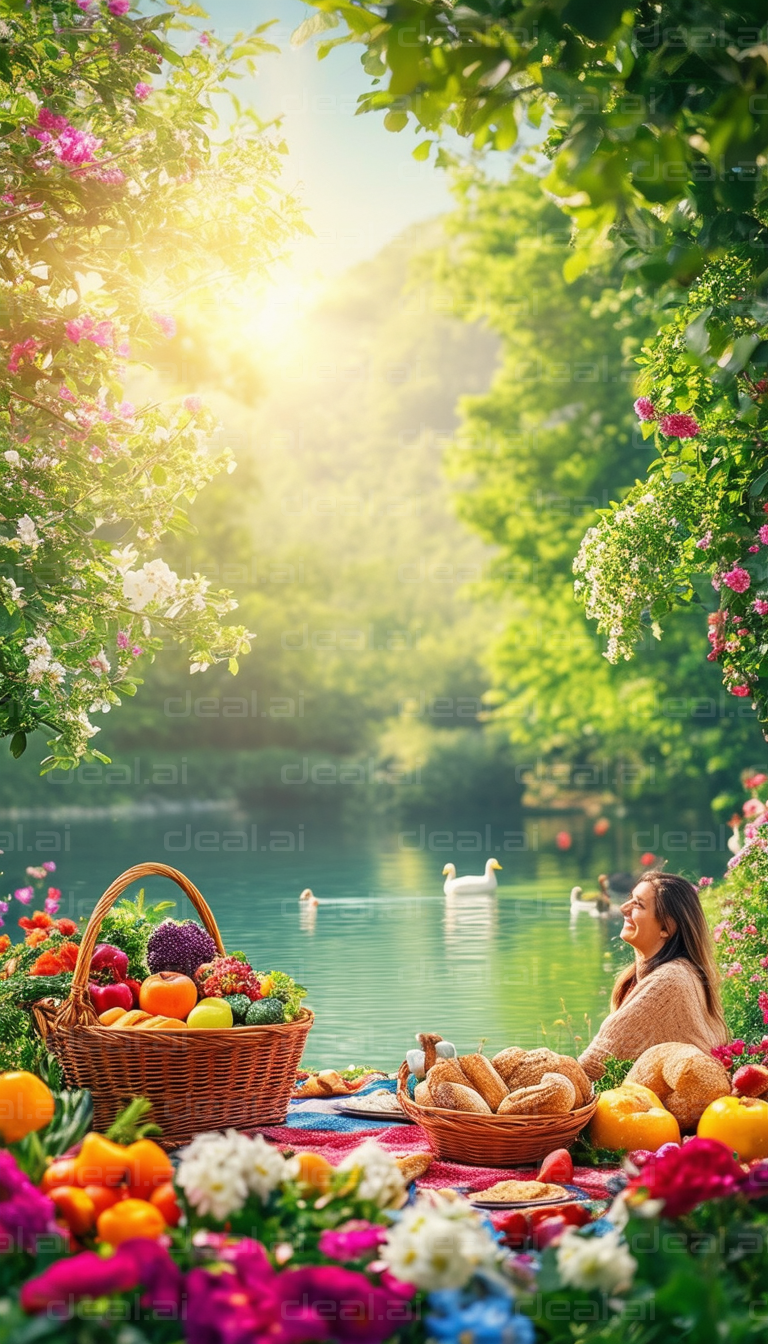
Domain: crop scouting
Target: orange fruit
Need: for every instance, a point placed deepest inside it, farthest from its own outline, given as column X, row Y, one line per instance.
column 130, row 1218
column 314, row 1171
column 104, row 1196
column 60, row 1172
column 100, row 1162
column 26, row 1104
column 168, row 994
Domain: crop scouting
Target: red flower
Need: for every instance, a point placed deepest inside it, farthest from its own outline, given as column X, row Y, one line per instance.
column 678, row 426
column 54, row 962
column 39, row 920
column 5, row 943
column 66, row 926
column 684, row 1177
column 37, row 936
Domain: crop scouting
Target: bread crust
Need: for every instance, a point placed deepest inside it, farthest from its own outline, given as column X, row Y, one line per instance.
column 572, row 1069
column 506, row 1061
column 445, row 1071
column 530, row 1069
column 554, row 1094
column 483, row 1077
column 459, row 1097
column 684, row 1079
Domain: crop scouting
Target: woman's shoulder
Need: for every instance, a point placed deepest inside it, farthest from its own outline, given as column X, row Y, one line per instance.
column 677, row 971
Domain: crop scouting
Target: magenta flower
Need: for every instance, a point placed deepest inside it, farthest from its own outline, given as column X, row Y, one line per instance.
column 645, row 409
column 679, row 426
column 704, row 542
column 760, row 606
column 166, row 323
column 24, row 894
column 192, row 404
column 85, row 328
column 684, row 1177
column 137, row 1263
column 50, row 121
column 127, row 410
column 136, row 651
column 23, row 352
column 118, row 7
column 351, row 1241
column 705, row 881
column 737, row 579
column 350, row 1307
column 142, row 91
column 123, row 639
column 25, row 1213
column 205, row 40
column 74, row 146
column 85, row 5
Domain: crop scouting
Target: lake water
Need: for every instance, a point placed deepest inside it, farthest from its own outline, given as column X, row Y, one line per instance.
column 385, row 954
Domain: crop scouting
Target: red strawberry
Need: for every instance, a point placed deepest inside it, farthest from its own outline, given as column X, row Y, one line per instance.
column 557, row 1167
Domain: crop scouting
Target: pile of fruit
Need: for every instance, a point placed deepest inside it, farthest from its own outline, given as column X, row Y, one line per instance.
column 189, row 985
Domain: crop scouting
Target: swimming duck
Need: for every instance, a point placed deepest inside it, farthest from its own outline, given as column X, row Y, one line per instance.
column 471, row 886
column 308, row 898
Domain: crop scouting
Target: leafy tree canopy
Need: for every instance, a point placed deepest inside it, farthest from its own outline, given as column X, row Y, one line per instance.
column 121, row 193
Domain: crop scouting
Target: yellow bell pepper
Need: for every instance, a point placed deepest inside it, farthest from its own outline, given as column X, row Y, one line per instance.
column 631, row 1116
column 26, row 1105
column 741, row 1123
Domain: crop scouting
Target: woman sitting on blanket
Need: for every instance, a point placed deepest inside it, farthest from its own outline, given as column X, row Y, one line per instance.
column 671, row 991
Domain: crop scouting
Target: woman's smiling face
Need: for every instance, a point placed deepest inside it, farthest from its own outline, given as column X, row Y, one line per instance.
column 642, row 928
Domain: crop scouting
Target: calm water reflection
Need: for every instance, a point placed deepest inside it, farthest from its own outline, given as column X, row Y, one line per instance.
column 385, row 953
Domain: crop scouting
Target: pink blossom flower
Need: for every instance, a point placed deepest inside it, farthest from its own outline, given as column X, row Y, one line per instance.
column 24, row 894
column 737, row 579
column 74, row 146
column 705, row 542
column 123, row 350
column 753, row 807
column 51, row 905
column 192, row 404
column 738, row 1047
column 136, row 651
column 123, row 639
column 351, row 1241
column 127, row 410
column 96, row 454
column 762, row 1003
column 23, row 352
column 25, row 1213
column 86, row 328
column 741, row 691
column 702, row 1169
column 85, row 5
column 678, row 426
column 753, row 549
column 645, row 409
column 49, row 866
column 760, row 606
column 166, row 323
column 118, row 7
column 705, row 881
column 50, row 121
column 66, row 395
column 142, row 91
column 763, row 534
column 735, row 968
column 138, row 1262
column 205, row 40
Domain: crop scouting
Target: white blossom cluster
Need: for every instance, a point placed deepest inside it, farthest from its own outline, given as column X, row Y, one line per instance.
column 439, row 1243
column 218, row 1172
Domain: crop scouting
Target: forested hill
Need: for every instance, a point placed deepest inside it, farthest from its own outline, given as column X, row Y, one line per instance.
column 338, row 537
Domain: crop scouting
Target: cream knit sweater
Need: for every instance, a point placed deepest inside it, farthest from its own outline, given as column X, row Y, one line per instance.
column 667, row 1005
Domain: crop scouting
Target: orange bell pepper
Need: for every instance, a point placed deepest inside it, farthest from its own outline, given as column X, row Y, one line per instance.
column 130, row 1218
column 100, row 1161
column 741, row 1123
column 104, row 1196
column 59, row 1172
column 631, row 1116
column 148, row 1166
column 26, row 1104
column 164, row 1199
column 75, row 1206
column 313, row 1171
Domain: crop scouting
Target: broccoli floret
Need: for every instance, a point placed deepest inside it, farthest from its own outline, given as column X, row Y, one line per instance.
column 239, row 1003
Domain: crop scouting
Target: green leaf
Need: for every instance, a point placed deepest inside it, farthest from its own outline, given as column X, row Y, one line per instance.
column 421, row 151
column 317, row 23
column 18, row 745
column 696, row 334
column 758, row 485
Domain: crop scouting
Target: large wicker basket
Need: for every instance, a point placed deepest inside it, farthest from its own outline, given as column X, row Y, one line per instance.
column 492, row 1140
column 196, row 1079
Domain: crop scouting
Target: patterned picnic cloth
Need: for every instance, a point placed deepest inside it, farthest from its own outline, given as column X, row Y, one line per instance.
column 316, row 1126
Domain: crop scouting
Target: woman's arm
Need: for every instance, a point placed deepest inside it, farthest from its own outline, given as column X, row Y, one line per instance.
column 663, row 1007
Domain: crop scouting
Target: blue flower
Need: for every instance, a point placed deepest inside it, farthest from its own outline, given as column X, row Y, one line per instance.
column 459, row 1318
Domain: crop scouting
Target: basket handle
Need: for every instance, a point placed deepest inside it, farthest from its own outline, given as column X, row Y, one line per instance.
column 78, row 1010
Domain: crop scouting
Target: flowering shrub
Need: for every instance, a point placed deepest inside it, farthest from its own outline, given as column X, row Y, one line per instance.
column 702, row 510
column 741, row 928
column 113, row 206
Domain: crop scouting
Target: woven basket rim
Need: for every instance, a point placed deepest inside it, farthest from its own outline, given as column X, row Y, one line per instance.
column 305, row 1018
column 474, row 1117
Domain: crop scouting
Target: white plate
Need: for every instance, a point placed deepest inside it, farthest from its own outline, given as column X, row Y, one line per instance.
column 397, row 1117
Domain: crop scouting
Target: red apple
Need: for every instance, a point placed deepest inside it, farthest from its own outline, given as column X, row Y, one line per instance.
column 751, row 1080
column 110, row 996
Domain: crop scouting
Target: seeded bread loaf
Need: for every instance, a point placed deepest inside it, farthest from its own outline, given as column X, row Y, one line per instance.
column 482, row 1076
column 458, row 1097
column 554, row 1094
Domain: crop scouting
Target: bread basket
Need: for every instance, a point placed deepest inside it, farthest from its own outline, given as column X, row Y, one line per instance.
column 492, row 1140
column 195, row 1079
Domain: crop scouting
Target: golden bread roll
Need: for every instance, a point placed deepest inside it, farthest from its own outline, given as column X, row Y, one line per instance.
column 686, row 1079
column 481, row 1075
column 459, row 1097
column 507, row 1060
column 530, row 1070
column 553, row 1095
column 414, row 1165
column 572, row 1069
column 422, row 1095
column 445, row 1071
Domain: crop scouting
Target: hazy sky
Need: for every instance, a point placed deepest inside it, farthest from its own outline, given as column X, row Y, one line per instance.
column 359, row 182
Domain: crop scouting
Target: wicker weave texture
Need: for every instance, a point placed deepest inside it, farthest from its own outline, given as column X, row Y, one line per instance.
column 195, row 1079
column 492, row 1140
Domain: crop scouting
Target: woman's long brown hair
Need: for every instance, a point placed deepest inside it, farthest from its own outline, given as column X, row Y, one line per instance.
column 677, row 901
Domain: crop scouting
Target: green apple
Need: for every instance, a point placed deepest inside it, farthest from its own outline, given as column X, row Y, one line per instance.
column 212, row 1014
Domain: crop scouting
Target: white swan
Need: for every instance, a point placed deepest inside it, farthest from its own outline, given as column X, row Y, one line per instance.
column 598, row 905
column 471, row 886
column 308, row 898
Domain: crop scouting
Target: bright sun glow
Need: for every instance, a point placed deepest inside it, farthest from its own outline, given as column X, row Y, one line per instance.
column 272, row 318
